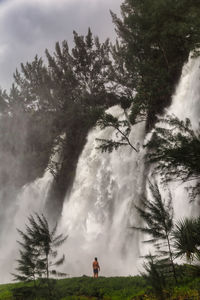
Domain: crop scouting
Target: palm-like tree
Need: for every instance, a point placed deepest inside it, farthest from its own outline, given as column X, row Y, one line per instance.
column 157, row 214
column 186, row 236
column 39, row 250
column 47, row 241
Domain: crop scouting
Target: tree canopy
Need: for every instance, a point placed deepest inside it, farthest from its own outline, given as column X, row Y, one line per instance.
column 156, row 38
column 174, row 150
column 38, row 250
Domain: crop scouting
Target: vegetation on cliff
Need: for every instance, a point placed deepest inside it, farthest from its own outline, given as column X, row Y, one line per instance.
column 156, row 39
column 70, row 93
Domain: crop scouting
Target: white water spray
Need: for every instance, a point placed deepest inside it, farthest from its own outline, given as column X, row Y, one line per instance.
column 99, row 212
column 186, row 100
column 30, row 200
column 186, row 104
column 100, row 209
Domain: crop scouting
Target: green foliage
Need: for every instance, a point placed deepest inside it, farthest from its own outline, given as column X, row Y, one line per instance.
column 156, row 39
column 65, row 94
column 174, row 149
column 157, row 215
column 122, row 129
column 103, row 288
column 39, row 250
column 187, row 238
column 79, row 78
column 155, row 276
column 183, row 236
column 110, row 288
column 72, row 84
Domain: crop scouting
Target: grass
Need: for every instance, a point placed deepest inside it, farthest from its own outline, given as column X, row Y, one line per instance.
column 6, row 290
column 87, row 288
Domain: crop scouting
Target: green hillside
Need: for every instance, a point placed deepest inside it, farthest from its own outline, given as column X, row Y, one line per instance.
column 112, row 288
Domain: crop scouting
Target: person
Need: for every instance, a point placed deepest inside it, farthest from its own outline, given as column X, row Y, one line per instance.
column 96, row 267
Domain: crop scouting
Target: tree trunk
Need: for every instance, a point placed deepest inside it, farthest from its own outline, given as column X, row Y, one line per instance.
column 171, row 259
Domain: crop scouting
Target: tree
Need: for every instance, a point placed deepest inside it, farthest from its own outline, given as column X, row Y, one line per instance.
column 174, row 150
column 79, row 86
column 38, row 250
column 187, row 238
column 79, row 78
column 66, row 93
column 3, row 102
column 28, row 263
column 156, row 39
column 122, row 129
column 155, row 276
column 157, row 215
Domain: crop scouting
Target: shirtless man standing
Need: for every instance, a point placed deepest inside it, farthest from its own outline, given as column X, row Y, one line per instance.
column 96, row 267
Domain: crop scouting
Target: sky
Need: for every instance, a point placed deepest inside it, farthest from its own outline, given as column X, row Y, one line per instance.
column 28, row 27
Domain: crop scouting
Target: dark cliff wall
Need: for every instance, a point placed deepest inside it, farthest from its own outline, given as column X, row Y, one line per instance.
column 76, row 138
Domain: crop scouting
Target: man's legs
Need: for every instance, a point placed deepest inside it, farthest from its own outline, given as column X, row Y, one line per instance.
column 95, row 273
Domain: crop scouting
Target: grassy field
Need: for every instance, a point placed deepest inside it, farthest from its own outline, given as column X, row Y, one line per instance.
column 86, row 288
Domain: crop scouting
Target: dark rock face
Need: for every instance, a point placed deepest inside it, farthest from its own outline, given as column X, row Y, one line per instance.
column 76, row 138
column 76, row 133
column 163, row 96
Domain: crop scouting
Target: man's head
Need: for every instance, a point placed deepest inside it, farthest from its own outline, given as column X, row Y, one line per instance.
column 95, row 258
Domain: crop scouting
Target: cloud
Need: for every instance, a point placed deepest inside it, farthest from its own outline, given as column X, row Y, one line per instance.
column 28, row 27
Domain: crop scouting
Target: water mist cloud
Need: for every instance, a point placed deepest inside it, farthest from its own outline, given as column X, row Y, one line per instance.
column 28, row 27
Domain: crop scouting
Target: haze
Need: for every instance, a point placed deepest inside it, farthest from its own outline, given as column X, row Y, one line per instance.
column 28, row 27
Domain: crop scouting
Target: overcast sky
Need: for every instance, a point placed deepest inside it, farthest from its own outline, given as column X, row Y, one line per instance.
column 28, row 27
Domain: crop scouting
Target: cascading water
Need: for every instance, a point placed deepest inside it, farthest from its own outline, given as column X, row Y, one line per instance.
column 186, row 104
column 186, row 100
column 31, row 199
column 99, row 211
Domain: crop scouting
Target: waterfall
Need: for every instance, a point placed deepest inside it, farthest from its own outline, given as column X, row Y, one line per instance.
column 29, row 200
column 186, row 99
column 186, row 104
column 99, row 211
